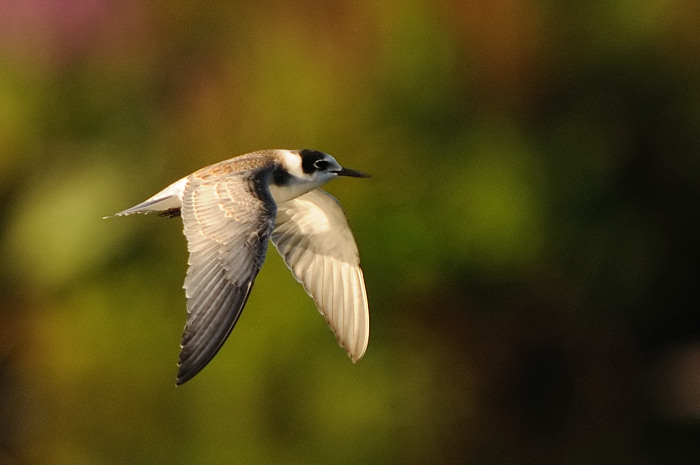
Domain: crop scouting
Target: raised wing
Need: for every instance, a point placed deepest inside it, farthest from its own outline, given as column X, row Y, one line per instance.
column 314, row 238
column 227, row 222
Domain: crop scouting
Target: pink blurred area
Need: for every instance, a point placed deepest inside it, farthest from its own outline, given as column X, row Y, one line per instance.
column 61, row 31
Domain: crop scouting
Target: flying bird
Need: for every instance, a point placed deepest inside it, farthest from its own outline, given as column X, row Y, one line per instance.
column 229, row 210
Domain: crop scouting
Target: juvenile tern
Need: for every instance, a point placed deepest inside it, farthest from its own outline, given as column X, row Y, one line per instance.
column 229, row 210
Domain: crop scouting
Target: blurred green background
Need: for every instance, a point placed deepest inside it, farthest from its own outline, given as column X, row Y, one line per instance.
column 529, row 236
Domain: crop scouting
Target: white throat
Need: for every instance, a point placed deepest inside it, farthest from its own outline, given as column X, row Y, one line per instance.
column 291, row 191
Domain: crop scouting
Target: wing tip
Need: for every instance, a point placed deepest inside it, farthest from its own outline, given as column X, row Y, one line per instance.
column 183, row 377
column 357, row 350
column 356, row 358
column 186, row 371
column 189, row 366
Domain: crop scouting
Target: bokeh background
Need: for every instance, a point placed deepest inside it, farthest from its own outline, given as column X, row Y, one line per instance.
column 529, row 236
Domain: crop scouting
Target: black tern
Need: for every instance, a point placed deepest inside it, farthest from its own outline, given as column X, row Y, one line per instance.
column 229, row 210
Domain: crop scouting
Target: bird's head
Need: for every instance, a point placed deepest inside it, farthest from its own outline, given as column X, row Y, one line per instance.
column 301, row 171
column 316, row 167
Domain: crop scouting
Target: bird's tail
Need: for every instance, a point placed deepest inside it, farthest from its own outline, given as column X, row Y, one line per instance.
column 165, row 203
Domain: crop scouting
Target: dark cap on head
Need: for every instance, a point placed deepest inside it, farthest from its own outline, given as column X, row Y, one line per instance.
column 309, row 158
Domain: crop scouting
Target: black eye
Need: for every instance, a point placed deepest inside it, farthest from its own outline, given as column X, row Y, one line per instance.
column 313, row 160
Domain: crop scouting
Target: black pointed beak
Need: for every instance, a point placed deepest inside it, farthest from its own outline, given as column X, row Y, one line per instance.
column 352, row 173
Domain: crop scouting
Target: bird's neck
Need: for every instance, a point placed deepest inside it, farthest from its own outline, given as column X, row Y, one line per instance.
column 282, row 193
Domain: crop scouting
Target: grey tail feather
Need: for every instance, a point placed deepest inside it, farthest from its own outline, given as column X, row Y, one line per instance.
column 144, row 209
